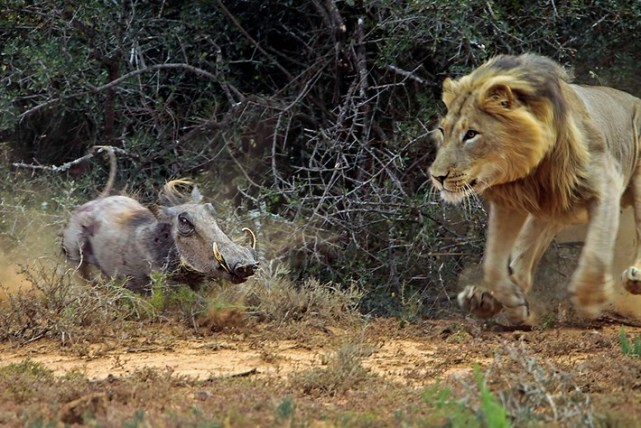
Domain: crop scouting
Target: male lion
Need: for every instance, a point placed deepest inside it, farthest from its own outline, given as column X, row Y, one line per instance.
column 545, row 154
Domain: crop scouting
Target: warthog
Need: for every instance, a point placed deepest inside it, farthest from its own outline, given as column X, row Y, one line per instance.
column 126, row 240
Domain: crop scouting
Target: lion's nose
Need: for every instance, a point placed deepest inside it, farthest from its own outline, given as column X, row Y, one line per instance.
column 440, row 178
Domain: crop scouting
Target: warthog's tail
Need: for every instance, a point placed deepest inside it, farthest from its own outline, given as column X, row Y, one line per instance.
column 112, row 170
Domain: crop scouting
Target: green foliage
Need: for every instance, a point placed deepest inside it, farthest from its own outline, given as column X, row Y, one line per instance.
column 21, row 381
column 449, row 410
column 494, row 413
column 457, row 412
column 630, row 349
column 137, row 420
column 27, row 368
column 285, row 410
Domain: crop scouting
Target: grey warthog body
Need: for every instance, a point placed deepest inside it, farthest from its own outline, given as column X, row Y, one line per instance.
column 126, row 240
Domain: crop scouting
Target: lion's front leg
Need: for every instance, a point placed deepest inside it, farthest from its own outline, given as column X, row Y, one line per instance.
column 533, row 240
column 499, row 292
column 592, row 282
column 632, row 276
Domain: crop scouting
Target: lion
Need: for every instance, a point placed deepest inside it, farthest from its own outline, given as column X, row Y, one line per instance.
column 545, row 154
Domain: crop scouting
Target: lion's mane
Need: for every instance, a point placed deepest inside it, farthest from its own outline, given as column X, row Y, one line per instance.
column 551, row 124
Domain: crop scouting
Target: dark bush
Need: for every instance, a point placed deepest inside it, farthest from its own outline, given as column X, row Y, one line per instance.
column 316, row 112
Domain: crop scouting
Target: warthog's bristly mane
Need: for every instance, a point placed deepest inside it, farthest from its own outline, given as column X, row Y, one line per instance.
column 177, row 192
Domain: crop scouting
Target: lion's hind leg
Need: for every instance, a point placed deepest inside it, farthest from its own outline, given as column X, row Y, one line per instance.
column 591, row 287
column 632, row 276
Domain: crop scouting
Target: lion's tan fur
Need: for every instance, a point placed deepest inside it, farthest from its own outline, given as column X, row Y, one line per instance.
column 545, row 153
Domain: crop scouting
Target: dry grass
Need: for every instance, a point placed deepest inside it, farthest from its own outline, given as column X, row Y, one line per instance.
column 530, row 390
column 277, row 298
column 55, row 306
column 343, row 371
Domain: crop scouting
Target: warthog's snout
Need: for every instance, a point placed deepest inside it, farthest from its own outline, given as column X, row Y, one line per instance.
column 237, row 261
column 244, row 270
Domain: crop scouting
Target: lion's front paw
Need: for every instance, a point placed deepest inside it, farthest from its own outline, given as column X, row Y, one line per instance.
column 479, row 301
column 590, row 298
column 632, row 280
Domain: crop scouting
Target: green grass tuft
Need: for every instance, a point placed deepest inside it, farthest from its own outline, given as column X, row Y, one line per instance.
column 495, row 414
column 631, row 349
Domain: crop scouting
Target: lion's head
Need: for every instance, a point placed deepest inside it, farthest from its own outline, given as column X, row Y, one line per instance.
column 502, row 121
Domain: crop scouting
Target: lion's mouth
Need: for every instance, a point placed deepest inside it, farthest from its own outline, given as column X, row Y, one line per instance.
column 460, row 192
column 466, row 188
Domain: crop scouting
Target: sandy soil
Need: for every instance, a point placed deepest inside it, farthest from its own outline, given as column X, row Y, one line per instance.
column 417, row 355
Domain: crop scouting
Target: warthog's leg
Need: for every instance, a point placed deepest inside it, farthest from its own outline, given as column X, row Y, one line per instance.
column 499, row 291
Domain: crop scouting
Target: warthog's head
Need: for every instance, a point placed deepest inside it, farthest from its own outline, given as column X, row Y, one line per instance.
column 202, row 246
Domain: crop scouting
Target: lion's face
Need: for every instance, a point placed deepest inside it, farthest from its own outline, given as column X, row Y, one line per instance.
column 488, row 137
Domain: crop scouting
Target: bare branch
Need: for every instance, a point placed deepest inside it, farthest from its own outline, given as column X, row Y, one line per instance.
column 410, row 75
column 131, row 74
column 64, row 167
column 121, row 79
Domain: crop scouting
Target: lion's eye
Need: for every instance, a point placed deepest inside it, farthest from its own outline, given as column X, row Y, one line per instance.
column 441, row 130
column 470, row 134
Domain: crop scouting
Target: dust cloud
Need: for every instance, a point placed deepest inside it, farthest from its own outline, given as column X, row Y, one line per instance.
column 11, row 281
column 29, row 239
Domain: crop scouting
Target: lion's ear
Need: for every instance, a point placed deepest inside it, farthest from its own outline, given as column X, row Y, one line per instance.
column 449, row 91
column 497, row 97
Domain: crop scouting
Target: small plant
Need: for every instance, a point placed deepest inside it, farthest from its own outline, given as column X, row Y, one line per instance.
column 137, row 420
column 21, row 381
column 495, row 413
column 344, row 371
column 280, row 299
column 449, row 410
column 630, row 349
column 530, row 391
column 285, row 411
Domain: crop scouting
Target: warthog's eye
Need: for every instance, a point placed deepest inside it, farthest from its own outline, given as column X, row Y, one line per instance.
column 470, row 134
column 185, row 227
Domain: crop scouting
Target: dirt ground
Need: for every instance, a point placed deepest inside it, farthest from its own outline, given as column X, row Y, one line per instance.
column 417, row 356
column 412, row 357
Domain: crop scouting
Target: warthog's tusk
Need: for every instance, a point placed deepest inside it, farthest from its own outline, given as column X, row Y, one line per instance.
column 219, row 258
column 251, row 236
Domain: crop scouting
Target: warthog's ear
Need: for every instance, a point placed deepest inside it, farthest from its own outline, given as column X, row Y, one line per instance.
column 210, row 208
column 196, row 196
column 163, row 214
